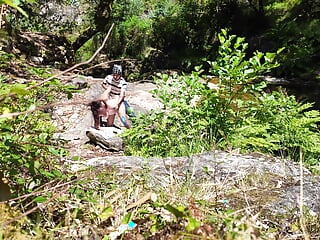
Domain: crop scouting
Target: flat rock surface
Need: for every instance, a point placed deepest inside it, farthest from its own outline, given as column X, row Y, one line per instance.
column 263, row 182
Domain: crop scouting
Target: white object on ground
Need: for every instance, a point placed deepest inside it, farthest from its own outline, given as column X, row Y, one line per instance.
column 106, row 132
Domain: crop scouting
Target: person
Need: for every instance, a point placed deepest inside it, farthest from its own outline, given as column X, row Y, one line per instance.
column 112, row 100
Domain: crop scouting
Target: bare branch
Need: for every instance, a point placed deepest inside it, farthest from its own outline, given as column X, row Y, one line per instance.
column 106, row 63
column 37, row 108
column 10, row 115
column 71, row 68
column 79, row 64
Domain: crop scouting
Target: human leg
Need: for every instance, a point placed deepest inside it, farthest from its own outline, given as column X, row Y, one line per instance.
column 110, row 120
column 123, row 116
column 111, row 111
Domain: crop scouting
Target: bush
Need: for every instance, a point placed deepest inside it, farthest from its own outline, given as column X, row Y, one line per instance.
column 29, row 156
column 278, row 124
column 238, row 114
column 132, row 33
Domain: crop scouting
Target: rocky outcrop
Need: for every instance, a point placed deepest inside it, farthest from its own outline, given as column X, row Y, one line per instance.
column 262, row 183
column 74, row 119
column 57, row 49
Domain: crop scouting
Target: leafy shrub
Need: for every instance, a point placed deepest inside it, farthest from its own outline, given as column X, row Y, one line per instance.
column 132, row 33
column 236, row 114
column 29, row 156
column 295, row 27
column 178, row 129
column 135, row 32
column 278, row 124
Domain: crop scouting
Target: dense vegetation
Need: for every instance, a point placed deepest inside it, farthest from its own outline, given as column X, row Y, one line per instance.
column 241, row 113
column 168, row 34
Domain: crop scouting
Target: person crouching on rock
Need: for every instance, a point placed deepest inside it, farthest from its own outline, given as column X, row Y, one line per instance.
column 112, row 100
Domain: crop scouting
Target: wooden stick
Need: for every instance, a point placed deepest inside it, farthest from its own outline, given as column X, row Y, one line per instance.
column 140, row 201
column 9, row 115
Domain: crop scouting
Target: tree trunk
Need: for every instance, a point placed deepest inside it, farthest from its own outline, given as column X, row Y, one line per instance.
column 101, row 23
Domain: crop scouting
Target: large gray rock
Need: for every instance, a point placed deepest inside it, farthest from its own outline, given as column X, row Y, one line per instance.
column 256, row 182
column 107, row 138
column 262, row 182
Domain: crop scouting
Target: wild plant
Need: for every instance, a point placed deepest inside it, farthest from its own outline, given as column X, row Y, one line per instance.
column 196, row 117
column 29, row 155
column 238, row 113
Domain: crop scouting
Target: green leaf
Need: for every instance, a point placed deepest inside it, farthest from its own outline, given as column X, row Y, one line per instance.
column 106, row 213
column 175, row 211
column 57, row 173
column 19, row 89
column 126, row 218
column 75, row 158
column 40, row 199
column 192, row 224
column 47, row 174
column 43, row 137
column 269, row 56
column 14, row 4
column 280, row 50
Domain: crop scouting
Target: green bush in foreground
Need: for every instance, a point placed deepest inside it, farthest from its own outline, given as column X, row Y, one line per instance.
column 29, row 156
column 237, row 114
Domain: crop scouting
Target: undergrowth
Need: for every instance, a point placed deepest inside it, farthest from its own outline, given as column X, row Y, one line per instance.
column 97, row 204
column 239, row 113
column 30, row 158
column 51, row 203
column 29, row 155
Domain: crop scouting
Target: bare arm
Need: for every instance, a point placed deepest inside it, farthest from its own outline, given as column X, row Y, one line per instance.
column 104, row 85
column 105, row 95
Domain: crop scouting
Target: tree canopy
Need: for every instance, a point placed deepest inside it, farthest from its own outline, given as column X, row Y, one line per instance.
column 177, row 34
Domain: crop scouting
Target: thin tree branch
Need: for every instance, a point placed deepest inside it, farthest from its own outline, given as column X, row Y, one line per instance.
column 37, row 108
column 10, row 115
column 42, row 191
column 107, row 62
column 79, row 64
column 71, row 68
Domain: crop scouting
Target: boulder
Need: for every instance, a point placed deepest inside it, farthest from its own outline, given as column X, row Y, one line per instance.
column 263, row 183
column 107, row 138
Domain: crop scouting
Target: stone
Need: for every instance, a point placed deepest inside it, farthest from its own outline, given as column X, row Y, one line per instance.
column 106, row 138
column 270, row 184
column 266, row 183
